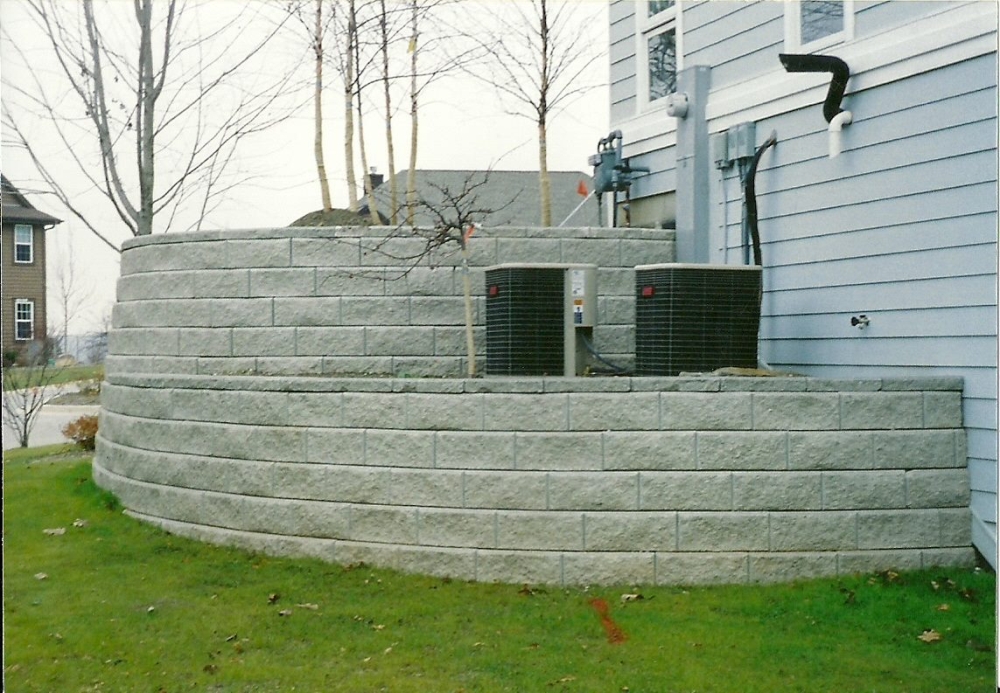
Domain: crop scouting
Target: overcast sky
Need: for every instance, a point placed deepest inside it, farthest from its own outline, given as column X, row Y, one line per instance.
column 463, row 125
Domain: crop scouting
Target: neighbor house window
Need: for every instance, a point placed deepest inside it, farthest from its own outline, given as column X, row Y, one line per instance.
column 659, row 48
column 815, row 24
column 24, row 319
column 24, row 243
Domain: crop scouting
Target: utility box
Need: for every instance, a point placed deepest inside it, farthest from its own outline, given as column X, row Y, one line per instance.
column 696, row 318
column 539, row 318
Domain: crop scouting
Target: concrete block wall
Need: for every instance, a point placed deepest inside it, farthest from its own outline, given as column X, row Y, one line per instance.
column 340, row 301
column 550, row 480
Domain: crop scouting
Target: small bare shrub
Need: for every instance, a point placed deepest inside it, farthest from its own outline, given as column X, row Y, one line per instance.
column 82, row 431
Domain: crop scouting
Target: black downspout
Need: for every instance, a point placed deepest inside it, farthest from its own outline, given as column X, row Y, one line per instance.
column 795, row 62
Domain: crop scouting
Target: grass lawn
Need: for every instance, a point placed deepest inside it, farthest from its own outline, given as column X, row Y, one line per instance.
column 69, row 374
column 114, row 605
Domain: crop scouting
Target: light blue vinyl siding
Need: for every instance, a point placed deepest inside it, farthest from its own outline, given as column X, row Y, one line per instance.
column 901, row 227
column 621, row 54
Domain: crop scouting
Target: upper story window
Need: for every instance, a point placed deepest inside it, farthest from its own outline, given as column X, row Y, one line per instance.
column 24, row 244
column 816, row 24
column 659, row 48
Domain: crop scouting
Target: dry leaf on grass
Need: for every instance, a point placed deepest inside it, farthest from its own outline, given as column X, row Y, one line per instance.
column 929, row 635
column 944, row 607
column 273, row 598
column 564, row 679
column 285, row 612
column 55, row 532
column 311, row 607
column 79, row 523
column 41, row 576
column 631, row 598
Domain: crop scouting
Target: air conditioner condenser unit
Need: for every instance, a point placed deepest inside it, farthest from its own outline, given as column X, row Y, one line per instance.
column 537, row 318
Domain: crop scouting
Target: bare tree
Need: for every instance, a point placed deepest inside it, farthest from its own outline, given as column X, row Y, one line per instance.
column 70, row 292
column 538, row 67
column 163, row 113
column 26, row 388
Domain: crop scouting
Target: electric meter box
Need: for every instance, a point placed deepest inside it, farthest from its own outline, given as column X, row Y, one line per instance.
column 539, row 318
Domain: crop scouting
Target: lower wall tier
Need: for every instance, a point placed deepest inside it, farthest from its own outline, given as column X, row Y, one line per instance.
column 551, row 480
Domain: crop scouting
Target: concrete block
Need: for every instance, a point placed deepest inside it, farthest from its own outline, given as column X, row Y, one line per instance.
column 616, row 310
column 603, row 252
column 313, row 311
column 630, row 531
column 387, row 448
column 444, row 412
column 813, row 531
column 319, row 520
column 859, row 562
column 143, row 342
column 257, row 341
column 899, row 529
column 244, row 312
column 620, row 412
column 278, row 444
column 614, row 339
column 771, row 568
column 374, row 410
column 205, row 342
column 335, row 446
column 647, row 252
column 321, row 409
column 938, row 488
column 830, row 450
column 942, row 410
column 436, row 562
column 363, row 366
column 434, row 488
column 649, row 450
column 705, row 411
column 619, row 568
column 722, row 531
column 594, row 491
column 959, row 557
column 540, row 531
column 375, row 310
column 326, row 252
column 519, row 567
column 283, row 282
column 558, row 451
column 882, row 410
column 745, row 451
column 457, row 528
column 797, row 411
column 450, row 341
column 383, row 524
column 685, row 491
column 527, row 412
column 777, row 491
column 473, row 450
column 316, row 482
column 290, row 365
column 916, row 450
column 506, row 490
column 423, row 281
column 728, row 568
column 428, row 367
column 264, row 252
column 399, row 341
column 956, row 526
column 239, row 407
column 244, row 365
column 394, row 249
column 864, row 490
column 350, row 281
column 437, row 310
column 615, row 282
column 529, row 250
column 330, row 341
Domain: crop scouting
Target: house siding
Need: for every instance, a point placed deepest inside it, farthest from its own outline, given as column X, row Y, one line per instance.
column 901, row 227
column 22, row 281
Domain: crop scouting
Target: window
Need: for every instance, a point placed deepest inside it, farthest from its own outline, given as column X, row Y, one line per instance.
column 24, row 319
column 24, row 244
column 817, row 24
column 659, row 49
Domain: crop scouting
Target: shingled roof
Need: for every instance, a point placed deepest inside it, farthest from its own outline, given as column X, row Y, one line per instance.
column 512, row 195
column 17, row 209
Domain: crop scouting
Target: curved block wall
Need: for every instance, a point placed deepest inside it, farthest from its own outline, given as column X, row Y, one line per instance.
column 554, row 480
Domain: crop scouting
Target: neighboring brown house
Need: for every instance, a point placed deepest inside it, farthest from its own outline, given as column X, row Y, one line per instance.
column 23, row 312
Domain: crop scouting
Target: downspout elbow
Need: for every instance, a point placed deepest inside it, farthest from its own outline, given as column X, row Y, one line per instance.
column 835, row 128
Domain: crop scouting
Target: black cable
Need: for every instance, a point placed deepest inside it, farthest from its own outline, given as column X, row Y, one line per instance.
column 593, row 352
column 750, row 194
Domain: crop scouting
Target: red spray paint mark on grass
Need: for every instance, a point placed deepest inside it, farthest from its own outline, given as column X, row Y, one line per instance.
column 615, row 634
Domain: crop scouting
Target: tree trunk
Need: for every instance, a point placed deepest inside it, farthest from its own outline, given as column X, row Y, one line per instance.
column 366, row 172
column 390, row 152
column 145, row 124
column 324, row 184
column 544, row 181
column 352, row 38
column 411, row 174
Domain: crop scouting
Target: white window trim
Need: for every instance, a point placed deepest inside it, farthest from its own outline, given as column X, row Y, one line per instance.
column 646, row 27
column 18, row 302
column 30, row 243
column 793, row 30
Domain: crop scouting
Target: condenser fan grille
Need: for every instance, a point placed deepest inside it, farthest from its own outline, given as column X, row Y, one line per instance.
column 524, row 321
column 696, row 318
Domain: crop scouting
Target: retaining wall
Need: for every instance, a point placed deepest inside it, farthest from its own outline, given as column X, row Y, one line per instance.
column 226, row 417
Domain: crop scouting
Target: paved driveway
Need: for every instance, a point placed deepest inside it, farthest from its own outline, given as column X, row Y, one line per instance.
column 48, row 424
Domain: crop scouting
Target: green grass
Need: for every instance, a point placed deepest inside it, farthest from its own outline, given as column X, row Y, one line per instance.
column 67, row 374
column 125, row 607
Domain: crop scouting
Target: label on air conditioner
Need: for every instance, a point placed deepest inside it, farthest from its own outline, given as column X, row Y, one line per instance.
column 578, row 311
column 576, row 279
